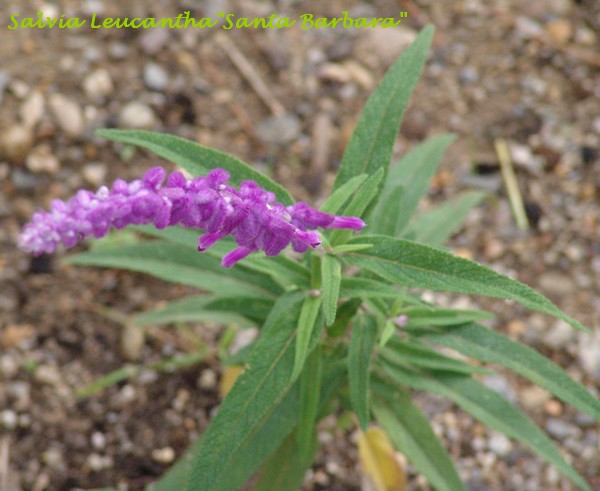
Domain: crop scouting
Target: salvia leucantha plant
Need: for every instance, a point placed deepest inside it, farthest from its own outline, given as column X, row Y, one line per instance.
column 343, row 327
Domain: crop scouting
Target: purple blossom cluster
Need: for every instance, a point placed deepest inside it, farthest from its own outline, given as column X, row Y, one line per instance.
column 250, row 214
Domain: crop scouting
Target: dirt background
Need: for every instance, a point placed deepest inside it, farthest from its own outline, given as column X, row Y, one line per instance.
column 528, row 72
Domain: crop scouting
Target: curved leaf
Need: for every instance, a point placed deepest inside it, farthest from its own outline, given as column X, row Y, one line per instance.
column 419, row 266
column 195, row 158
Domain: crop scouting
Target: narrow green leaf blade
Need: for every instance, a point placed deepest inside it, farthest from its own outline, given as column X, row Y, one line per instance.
column 244, row 311
column 310, row 391
column 403, row 353
column 331, row 277
column 411, row 433
column 491, row 409
column 483, row 344
column 178, row 264
column 309, row 324
column 434, row 227
column 286, row 468
column 253, row 398
column 420, row 266
column 338, row 198
column 359, row 204
column 373, row 139
column 411, row 175
column 364, row 332
column 195, row 158
column 366, row 288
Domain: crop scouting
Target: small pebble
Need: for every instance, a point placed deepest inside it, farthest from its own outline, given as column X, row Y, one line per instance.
column 534, row 397
column 152, row 40
column 559, row 336
column 15, row 142
column 97, row 462
column 155, row 77
column 560, row 429
column 501, row 385
column 164, row 455
column 8, row 366
column 500, row 444
column 589, row 353
column 132, row 342
column 41, row 159
column 67, row 114
column 32, row 109
column 207, row 379
column 53, row 458
column 98, row 440
column 47, row 374
column 4, row 81
column 137, row 115
column 279, row 130
column 98, row 84
column 9, row 419
column 94, row 173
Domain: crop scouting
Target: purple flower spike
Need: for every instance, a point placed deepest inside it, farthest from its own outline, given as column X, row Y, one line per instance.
column 251, row 215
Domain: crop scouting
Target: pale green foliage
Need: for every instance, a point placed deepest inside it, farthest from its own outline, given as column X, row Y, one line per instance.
column 328, row 339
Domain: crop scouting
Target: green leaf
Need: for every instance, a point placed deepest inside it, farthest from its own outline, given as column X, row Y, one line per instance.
column 344, row 315
column 286, row 468
column 364, row 332
column 282, row 269
column 435, row 226
column 491, row 409
column 254, row 397
column 389, row 328
column 195, row 158
column 373, row 139
column 237, row 310
column 388, row 214
column 430, row 316
column 411, row 433
column 181, row 265
column 265, row 439
column 338, row 198
column 403, row 354
column 411, row 175
column 331, row 276
column 310, row 391
column 359, row 204
column 366, row 288
column 419, row 266
column 309, row 324
column 483, row 344
column 128, row 371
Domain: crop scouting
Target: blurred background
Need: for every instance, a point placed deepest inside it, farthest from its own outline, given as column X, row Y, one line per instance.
column 286, row 101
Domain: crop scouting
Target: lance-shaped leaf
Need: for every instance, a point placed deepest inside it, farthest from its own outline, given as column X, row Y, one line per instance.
column 195, row 158
column 488, row 346
column 179, row 264
column 331, row 276
column 310, row 324
column 491, row 409
column 406, row 184
column 364, row 332
column 419, row 266
column 253, row 398
column 403, row 353
column 435, row 226
column 411, row 433
column 286, row 468
column 338, row 198
column 373, row 139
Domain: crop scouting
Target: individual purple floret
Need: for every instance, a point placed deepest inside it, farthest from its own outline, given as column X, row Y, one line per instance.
column 250, row 214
